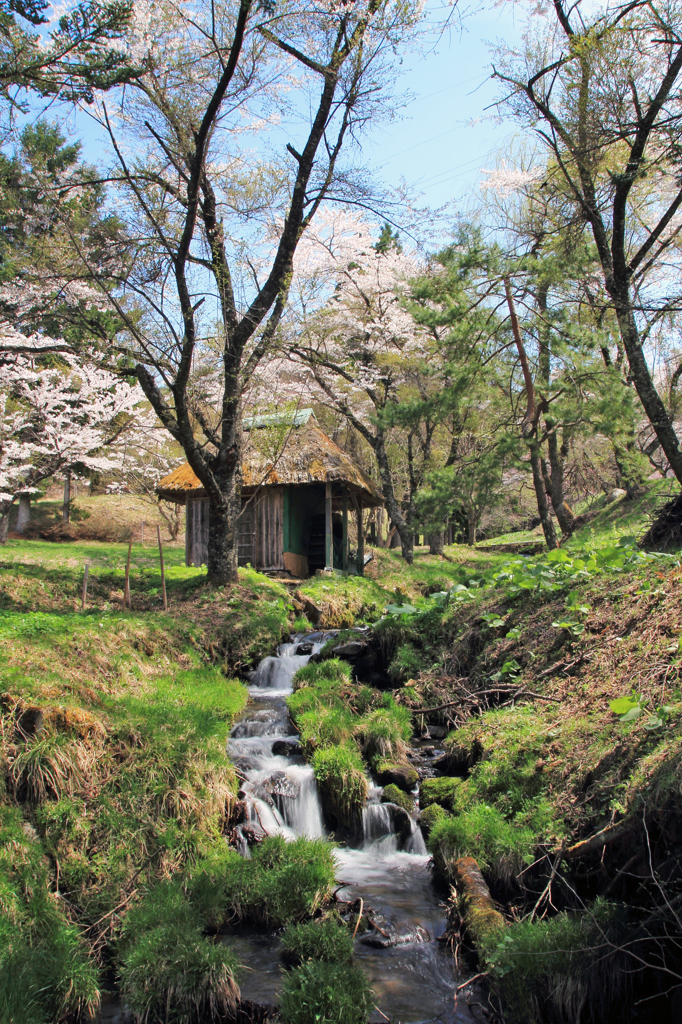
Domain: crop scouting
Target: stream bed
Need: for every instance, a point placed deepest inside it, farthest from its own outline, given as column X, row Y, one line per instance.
column 412, row 973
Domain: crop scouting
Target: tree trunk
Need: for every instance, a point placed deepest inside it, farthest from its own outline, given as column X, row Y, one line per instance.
column 436, row 543
column 222, row 542
column 66, row 507
column 554, row 483
column 4, row 525
column 541, row 497
column 641, row 377
column 393, row 506
column 472, row 524
column 24, row 516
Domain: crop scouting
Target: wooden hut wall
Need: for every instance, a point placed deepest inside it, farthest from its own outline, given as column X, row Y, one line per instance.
column 247, row 532
column 269, row 541
column 196, row 531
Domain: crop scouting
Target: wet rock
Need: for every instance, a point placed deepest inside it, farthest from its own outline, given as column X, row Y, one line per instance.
column 401, row 822
column 252, row 832
column 437, row 732
column 349, row 651
column 398, row 938
column 393, row 795
column 280, row 784
column 306, row 648
column 428, row 751
column 404, row 776
column 287, row 748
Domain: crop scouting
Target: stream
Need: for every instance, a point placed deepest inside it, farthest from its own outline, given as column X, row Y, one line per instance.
column 410, row 971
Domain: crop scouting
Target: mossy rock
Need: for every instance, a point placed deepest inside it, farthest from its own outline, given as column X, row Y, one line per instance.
column 393, row 795
column 444, row 791
column 401, row 775
column 430, row 815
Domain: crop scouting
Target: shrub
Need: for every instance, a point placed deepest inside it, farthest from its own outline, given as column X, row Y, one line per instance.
column 407, row 662
column 560, row 969
column 323, row 993
column 317, row 940
column 342, row 781
column 482, row 832
column 444, row 791
column 169, row 971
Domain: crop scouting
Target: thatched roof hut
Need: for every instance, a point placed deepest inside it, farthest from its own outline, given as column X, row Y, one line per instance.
column 298, row 487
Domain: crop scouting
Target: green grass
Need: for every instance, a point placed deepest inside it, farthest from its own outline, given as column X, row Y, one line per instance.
column 168, row 969
column 282, row 883
column 329, row 940
column 324, row 993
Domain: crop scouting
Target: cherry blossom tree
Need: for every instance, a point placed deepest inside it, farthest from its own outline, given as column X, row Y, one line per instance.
column 57, row 418
column 364, row 353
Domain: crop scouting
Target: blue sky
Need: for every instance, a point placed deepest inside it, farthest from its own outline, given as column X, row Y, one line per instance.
column 445, row 135
column 447, row 132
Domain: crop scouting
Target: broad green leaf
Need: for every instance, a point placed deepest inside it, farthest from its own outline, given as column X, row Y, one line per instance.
column 621, row 705
column 632, row 714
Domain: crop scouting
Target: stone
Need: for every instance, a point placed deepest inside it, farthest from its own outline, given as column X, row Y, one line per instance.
column 393, row 795
column 280, row 784
column 437, row 732
column 375, row 940
column 306, row 648
column 349, row 651
column 287, row 748
column 401, row 822
column 403, row 776
column 615, row 494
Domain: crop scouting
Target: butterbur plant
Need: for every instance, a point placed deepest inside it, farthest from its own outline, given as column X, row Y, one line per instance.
column 632, row 707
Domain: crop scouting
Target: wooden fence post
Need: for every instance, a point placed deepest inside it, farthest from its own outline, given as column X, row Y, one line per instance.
column 126, row 592
column 163, row 575
column 85, row 584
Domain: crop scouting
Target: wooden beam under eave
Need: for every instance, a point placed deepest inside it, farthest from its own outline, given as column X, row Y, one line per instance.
column 328, row 534
column 345, row 529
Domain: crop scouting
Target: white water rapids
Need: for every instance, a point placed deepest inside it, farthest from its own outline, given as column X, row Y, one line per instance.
column 412, row 975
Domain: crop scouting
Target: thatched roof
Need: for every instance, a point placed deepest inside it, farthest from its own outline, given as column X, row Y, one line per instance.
column 308, row 457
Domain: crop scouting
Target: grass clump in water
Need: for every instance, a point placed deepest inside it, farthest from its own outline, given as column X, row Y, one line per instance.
column 344, row 786
column 324, row 993
column 317, row 940
column 283, row 882
column 169, row 970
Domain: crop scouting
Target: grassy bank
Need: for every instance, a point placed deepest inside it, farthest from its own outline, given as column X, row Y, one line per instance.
column 112, row 751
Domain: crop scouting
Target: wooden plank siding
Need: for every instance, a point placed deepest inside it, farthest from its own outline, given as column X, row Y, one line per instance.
column 247, row 533
column 196, row 531
column 269, row 521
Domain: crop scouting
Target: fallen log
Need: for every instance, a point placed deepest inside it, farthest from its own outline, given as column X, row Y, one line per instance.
column 479, row 914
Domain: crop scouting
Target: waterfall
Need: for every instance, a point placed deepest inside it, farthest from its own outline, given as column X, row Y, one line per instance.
column 410, row 973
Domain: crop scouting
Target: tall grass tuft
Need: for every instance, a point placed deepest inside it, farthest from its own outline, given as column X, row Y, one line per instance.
column 342, row 781
column 169, row 971
column 329, row 940
column 324, row 993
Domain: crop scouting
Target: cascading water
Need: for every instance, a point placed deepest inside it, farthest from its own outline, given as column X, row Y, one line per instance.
column 412, row 976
